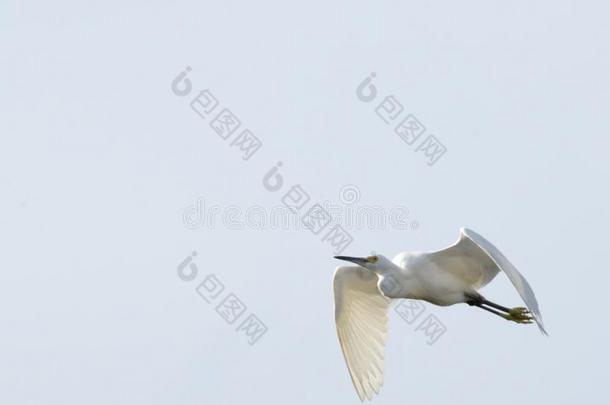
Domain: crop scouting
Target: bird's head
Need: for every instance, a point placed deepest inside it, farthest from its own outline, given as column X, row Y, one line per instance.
column 375, row 263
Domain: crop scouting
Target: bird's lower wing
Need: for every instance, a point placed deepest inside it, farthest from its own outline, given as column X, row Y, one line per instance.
column 361, row 316
column 516, row 278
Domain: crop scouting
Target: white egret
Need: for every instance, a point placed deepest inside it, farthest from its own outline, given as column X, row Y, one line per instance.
column 363, row 294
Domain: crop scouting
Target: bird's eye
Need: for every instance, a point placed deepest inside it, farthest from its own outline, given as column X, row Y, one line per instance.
column 372, row 259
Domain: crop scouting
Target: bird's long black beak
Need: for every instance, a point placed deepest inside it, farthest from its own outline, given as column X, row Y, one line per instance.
column 357, row 260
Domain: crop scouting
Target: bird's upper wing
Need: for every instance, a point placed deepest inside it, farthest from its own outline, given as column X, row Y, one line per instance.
column 361, row 316
column 466, row 260
column 483, row 260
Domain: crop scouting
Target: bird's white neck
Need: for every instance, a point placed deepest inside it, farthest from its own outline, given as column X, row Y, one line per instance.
column 386, row 269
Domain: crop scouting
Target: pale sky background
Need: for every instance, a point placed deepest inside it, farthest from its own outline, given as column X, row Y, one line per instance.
column 99, row 160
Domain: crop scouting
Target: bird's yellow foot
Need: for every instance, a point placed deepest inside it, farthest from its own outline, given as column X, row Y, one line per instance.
column 519, row 315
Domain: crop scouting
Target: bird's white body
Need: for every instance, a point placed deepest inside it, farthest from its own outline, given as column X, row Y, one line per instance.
column 445, row 277
column 419, row 278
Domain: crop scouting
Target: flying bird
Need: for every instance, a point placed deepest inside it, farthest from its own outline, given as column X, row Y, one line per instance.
column 363, row 294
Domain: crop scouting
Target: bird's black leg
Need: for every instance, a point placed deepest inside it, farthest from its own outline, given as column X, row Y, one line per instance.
column 519, row 314
column 494, row 305
column 480, row 305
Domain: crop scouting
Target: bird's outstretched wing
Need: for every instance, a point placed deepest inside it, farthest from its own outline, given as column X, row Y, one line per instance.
column 361, row 316
column 502, row 263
